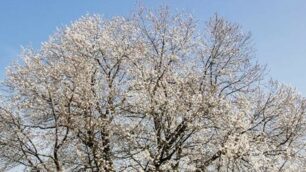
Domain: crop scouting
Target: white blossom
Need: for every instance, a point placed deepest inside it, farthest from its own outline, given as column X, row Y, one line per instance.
column 148, row 93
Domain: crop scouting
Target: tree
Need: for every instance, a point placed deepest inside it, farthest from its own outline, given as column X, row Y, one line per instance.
column 148, row 93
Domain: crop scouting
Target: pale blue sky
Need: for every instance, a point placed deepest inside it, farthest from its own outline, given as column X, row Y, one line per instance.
column 278, row 26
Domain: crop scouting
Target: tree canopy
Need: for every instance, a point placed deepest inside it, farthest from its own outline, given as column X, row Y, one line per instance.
column 150, row 92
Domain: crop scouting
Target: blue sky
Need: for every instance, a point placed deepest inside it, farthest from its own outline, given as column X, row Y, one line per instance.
column 278, row 26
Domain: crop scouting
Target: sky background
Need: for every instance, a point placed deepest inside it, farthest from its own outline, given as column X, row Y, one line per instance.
column 278, row 27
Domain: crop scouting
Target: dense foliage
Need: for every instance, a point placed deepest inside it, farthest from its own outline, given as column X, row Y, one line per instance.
column 148, row 93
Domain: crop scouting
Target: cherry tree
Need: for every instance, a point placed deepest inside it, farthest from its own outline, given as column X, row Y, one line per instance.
column 150, row 92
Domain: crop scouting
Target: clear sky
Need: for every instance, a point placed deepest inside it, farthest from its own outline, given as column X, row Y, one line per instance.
column 278, row 26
